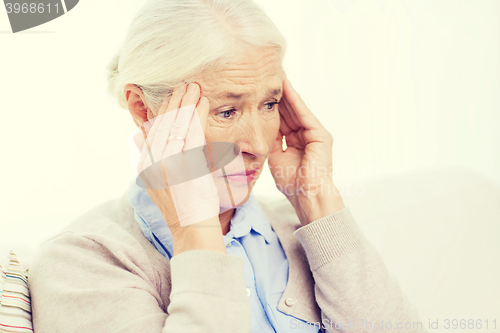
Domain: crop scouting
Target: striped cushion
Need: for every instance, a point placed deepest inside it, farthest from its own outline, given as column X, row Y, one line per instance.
column 15, row 306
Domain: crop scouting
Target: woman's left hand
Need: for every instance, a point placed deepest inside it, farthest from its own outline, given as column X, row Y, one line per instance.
column 303, row 172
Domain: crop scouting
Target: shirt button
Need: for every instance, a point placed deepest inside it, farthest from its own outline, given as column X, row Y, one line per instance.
column 289, row 301
column 248, row 292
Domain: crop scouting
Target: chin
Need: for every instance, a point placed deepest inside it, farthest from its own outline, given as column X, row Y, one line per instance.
column 233, row 189
column 232, row 194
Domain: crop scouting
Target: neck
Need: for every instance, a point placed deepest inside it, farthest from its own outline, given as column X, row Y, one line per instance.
column 225, row 220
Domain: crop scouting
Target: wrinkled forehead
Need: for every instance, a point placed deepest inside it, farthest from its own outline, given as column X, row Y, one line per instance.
column 257, row 73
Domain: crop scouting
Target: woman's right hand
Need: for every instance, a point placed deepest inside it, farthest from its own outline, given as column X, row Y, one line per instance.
column 190, row 206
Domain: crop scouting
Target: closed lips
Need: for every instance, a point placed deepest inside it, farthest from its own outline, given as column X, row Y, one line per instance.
column 246, row 173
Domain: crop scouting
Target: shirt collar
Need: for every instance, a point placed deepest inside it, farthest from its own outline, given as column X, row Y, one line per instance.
column 249, row 216
column 149, row 216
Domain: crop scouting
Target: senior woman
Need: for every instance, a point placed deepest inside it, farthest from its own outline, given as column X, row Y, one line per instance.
column 202, row 253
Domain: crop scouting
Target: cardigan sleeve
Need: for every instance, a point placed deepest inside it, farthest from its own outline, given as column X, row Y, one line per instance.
column 81, row 282
column 353, row 287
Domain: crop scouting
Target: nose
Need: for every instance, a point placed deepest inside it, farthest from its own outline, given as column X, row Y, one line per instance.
column 251, row 137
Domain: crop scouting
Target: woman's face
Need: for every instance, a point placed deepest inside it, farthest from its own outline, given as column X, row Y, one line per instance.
column 244, row 106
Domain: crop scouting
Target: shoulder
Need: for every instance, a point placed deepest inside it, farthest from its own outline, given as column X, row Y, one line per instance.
column 104, row 242
column 111, row 222
column 98, row 263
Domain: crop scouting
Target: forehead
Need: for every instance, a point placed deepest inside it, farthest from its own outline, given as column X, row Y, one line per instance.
column 257, row 72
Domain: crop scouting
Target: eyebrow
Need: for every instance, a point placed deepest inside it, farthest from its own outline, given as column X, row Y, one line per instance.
column 231, row 95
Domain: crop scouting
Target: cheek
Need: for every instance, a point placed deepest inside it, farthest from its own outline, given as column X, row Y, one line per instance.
column 272, row 127
column 216, row 133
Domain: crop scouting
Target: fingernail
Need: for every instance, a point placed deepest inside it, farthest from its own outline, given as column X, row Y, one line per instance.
column 192, row 87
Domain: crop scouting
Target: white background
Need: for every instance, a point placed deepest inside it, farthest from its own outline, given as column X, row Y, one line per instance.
column 403, row 86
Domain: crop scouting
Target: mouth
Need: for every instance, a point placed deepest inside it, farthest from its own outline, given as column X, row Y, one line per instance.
column 242, row 177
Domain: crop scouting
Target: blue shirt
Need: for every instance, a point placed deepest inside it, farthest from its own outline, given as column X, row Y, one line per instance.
column 251, row 238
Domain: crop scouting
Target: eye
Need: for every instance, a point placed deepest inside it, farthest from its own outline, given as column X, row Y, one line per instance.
column 225, row 114
column 272, row 104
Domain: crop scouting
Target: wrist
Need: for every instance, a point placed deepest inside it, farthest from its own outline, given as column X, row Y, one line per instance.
column 324, row 202
column 205, row 235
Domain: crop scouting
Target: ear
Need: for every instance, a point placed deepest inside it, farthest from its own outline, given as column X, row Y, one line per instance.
column 137, row 106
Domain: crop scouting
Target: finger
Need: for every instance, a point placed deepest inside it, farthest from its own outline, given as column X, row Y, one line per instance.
column 158, row 136
column 295, row 140
column 170, row 103
column 287, row 117
column 181, row 124
column 196, row 133
column 293, row 116
column 298, row 108
column 160, row 129
column 176, row 98
column 284, row 128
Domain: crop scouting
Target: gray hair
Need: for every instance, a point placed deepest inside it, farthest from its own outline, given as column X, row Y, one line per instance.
column 170, row 41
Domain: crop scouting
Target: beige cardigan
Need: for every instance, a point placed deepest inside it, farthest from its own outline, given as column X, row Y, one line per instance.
column 100, row 274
